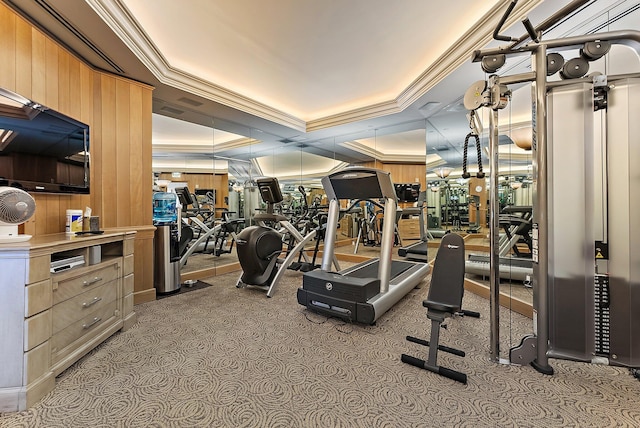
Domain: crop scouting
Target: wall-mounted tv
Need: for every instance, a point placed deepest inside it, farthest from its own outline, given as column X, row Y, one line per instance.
column 41, row 150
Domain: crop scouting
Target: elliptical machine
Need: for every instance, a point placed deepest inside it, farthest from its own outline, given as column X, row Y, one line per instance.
column 260, row 246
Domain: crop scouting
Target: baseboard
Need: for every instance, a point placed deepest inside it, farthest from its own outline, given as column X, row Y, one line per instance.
column 513, row 303
column 144, row 296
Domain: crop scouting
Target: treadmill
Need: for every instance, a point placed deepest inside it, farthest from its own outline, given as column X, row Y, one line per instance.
column 364, row 292
column 516, row 223
column 418, row 250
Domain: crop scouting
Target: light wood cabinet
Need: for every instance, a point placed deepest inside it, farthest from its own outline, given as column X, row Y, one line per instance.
column 118, row 112
column 409, row 228
column 50, row 320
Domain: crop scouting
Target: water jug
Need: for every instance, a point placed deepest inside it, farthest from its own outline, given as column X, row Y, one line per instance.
column 164, row 208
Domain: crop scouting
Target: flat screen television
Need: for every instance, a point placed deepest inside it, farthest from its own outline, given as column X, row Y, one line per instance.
column 41, row 150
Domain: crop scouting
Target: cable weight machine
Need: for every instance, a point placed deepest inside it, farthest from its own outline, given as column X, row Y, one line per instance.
column 586, row 280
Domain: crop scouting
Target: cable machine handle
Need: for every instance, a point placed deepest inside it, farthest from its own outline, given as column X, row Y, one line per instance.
column 496, row 32
column 531, row 30
column 480, row 173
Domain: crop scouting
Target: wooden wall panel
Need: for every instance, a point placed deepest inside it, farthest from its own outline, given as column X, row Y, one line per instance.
column 64, row 91
column 122, row 139
column 407, row 173
column 136, row 184
column 74, row 94
column 107, row 151
column 221, row 183
column 96, row 145
column 86, row 95
column 402, row 172
column 118, row 112
column 51, row 76
column 122, row 178
column 146, row 210
column 8, row 47
column 38, row 66
column 23, row 57
column 478, row 186
column 52, row 222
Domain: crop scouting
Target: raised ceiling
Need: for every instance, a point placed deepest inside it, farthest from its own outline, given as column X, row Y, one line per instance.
column 309, row 59
column 313, row 73
column 305, row 64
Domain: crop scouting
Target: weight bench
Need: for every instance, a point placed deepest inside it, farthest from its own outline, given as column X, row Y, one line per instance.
column 444, row 300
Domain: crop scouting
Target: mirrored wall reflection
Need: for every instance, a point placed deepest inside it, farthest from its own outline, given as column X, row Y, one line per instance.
column 219, row 162
column 398, row 150
column 185, row 162
column 458, row 193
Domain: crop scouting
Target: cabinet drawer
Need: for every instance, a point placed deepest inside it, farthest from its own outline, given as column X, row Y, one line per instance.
column 38, row 297
column 94, row 321
column 409, row 228
column 70, row 286
column 36, row 362
column 37, row 329
column 78, row 307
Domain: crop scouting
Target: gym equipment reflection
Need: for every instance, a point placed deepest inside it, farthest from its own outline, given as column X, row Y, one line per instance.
column 201, row 230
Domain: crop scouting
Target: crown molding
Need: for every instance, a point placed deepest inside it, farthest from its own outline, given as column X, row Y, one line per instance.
column 408, row 158
column 193, row 166
column 298, row 175
column 115, row 14
column 186, row 147
column 459, row 53
column 369, row 112
column 122, row 23
column 235, row 144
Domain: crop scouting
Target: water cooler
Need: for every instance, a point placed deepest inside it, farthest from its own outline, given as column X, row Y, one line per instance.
column 166, row 275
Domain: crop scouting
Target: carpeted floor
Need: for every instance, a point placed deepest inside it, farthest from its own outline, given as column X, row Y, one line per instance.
column 227, row 357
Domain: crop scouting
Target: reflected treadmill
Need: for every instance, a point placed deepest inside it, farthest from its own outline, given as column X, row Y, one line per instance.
column 361, row 293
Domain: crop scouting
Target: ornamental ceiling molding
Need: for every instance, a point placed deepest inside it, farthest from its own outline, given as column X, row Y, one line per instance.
column 408, row 158
column 124, row 25
column 186, row 147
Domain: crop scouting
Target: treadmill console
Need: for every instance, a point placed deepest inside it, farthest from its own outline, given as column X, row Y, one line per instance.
column 359, row 183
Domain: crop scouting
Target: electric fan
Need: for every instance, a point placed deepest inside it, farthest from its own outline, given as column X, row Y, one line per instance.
column 16, row 207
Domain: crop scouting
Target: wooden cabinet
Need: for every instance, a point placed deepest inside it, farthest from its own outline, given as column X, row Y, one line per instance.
column 50, row 320
column 409, row 228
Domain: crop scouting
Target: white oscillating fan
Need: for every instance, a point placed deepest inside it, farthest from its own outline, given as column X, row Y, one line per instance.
column 16, row 207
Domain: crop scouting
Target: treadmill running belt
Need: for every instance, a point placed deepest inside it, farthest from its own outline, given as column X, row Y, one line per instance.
column 417, row 248
column 371, row 270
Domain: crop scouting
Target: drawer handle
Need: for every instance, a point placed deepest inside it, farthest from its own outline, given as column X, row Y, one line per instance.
column 92, row 302
column 95, row 321
column 93, row 281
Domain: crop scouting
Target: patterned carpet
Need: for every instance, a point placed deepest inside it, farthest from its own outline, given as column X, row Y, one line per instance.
column 227, row 357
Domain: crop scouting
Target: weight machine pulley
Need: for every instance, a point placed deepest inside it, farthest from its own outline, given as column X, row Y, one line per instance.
column 494, row 94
